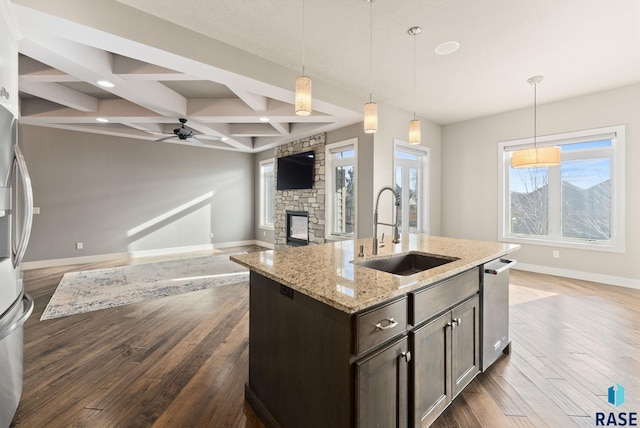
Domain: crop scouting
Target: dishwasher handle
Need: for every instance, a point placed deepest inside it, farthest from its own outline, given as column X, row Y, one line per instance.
column 508, row 265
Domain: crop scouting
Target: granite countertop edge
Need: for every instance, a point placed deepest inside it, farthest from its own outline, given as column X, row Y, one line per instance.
column 370, row 287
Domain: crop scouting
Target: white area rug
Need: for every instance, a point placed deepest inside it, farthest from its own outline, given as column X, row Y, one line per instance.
column 91, row 290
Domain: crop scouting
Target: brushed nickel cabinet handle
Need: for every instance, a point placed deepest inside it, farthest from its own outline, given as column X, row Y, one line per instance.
column 390, row 324
column 406, row 356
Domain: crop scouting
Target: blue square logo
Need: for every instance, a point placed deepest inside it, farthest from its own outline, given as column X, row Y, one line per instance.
column 616, row 395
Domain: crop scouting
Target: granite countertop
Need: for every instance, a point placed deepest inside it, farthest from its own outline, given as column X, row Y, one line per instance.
column 326, row 272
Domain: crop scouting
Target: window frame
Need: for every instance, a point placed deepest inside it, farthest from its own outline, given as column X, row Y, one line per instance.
column 262, row 164
column 554, row 238
column 423, row 151
column 330, row 165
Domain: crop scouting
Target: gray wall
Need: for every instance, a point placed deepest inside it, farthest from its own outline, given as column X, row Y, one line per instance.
column 470, row 174
column 120, row 195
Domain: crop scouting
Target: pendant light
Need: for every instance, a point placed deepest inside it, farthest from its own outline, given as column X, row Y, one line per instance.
column 536, row 157
column 414, row 125
column 370, row 108
column 303, row 84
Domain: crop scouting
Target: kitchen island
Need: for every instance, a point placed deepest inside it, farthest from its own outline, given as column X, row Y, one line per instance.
column 335, row 343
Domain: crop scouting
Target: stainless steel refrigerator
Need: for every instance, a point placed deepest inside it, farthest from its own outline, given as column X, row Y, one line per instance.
column 16, row 210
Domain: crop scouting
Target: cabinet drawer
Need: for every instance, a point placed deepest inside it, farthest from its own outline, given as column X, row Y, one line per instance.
column 377, row 325
column 431, row 301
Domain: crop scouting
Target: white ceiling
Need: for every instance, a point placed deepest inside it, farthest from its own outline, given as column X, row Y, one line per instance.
column 245, row 66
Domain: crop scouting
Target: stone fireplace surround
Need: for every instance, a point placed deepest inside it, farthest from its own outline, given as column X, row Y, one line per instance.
column 310, row 200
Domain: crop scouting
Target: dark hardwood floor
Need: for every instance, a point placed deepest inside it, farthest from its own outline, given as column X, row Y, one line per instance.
column 182, row 361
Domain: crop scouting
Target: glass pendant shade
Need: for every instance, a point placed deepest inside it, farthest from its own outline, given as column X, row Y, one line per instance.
column 370, row 118
column 536, row 157
column 414, row 131
column 303, row 96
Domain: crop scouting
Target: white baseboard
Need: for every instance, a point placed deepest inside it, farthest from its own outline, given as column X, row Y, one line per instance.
column 584, row 276
column 39, row 264
column 265, row 244
column 169, row 251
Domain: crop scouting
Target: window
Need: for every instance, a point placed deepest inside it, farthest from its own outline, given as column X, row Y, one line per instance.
column 341, row 189
column 410, row 182
column 267, row 193
column 578, row 204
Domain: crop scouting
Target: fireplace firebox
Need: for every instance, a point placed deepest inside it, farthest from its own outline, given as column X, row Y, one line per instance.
column 297, row 228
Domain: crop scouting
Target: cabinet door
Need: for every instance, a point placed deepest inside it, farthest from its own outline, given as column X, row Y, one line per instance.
column 465, row 352
column 431, row 365
column 381, row 387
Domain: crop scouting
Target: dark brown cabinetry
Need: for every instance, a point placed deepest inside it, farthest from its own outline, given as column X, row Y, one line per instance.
column 382, row 387
column 392, row 365
column 446, row 359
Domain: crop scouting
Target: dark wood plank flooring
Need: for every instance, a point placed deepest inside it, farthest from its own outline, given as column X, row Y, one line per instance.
column 182, row 361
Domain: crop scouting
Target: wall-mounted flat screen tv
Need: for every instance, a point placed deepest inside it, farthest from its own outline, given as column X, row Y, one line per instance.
column 295, row 171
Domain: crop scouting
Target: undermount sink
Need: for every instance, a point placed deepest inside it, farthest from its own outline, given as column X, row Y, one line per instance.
column 407, row 264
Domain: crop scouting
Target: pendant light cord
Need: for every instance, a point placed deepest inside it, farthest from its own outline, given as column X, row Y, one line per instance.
column 414, row 76
column 370, row 50
column 303, row 33
column 535, row 115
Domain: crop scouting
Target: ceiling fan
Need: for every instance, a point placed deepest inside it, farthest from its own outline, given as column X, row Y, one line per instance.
column 185, row 134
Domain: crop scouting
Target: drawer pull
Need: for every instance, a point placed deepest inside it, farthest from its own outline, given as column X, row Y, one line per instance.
column 406, row 356
column 390, row 324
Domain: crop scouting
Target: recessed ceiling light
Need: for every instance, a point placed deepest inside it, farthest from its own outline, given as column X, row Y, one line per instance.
column 105, row 84
column 264, row 119
column 102, row 119
column 447, row 48
column 223, row 139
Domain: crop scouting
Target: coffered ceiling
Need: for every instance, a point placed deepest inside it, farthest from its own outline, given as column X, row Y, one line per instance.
column 225, row 65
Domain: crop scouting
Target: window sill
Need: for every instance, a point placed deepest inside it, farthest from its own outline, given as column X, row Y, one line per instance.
column 337, row 238
column 588, row 246
column 262, row 227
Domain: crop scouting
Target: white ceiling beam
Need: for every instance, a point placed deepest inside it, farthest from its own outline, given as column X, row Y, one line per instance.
column 255, row 101
column 61, row 95
column 116, row 109
column 238, row 143
column 252, row 130
column 282, row 128
column 235, row 110
column 91, row 64
column 133, row 69
column 31, row 70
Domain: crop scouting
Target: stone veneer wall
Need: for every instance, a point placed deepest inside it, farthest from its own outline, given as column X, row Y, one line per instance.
column 311, row 200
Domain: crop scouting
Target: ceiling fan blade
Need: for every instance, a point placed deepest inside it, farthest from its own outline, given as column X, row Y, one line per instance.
column 166, row 138
column 195, row 140
column 209, row 137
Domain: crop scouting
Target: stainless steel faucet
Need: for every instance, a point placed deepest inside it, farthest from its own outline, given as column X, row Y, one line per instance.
column 396, row 225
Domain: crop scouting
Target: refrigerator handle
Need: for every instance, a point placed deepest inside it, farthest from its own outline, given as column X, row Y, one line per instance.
column 23, row 175
column 21, row 319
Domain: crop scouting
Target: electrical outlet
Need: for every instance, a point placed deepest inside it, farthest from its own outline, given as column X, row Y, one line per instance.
column 79, row 245
column 210, row 235
column 264, row 233
column 36, row 210
column 556, row 254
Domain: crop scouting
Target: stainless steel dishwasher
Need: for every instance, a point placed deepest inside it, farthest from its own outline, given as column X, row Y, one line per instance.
column 494, row 310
